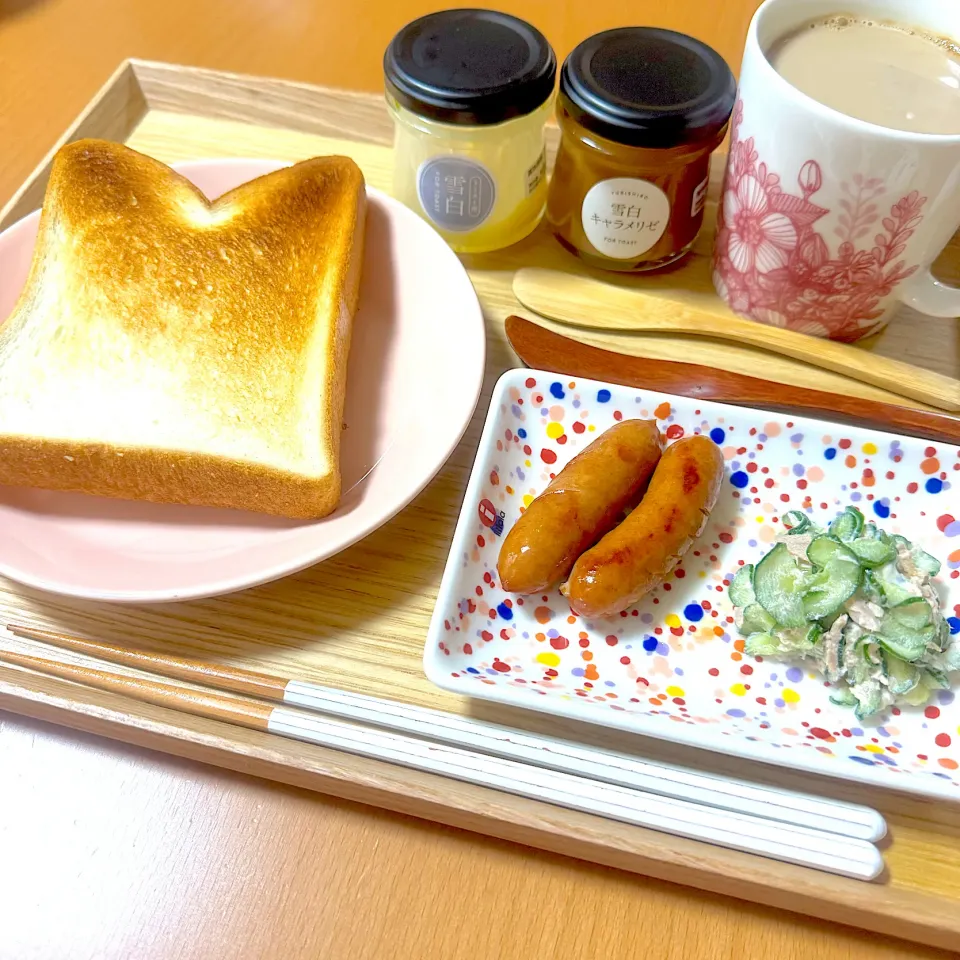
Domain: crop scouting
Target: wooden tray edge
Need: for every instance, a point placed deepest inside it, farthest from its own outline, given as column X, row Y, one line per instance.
column 114, row 111
column 137, row 86
column 899, row 913
column 264, row 101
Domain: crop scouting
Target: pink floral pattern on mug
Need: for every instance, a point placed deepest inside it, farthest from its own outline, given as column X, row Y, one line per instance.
column 772, row 265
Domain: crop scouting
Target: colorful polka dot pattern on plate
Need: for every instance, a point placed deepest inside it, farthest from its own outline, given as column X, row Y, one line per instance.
column 674, row 666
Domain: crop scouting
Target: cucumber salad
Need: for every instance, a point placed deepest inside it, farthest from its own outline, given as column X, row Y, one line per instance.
column 856, row 601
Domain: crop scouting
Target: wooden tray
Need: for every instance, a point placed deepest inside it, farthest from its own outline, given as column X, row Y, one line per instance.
column 358, row 621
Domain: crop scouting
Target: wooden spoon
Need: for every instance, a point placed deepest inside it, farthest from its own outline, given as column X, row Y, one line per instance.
column 579, row 300
column 546, row 350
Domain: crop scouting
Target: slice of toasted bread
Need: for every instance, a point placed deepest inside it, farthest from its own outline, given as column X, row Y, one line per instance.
column 170, row 349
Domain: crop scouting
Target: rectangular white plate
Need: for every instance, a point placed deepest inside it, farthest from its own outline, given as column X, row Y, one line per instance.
column 671, row 667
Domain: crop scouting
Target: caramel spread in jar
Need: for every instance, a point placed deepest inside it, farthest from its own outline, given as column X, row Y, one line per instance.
column 640, row 111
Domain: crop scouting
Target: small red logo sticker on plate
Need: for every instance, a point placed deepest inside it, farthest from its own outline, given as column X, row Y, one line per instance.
column 490, row 518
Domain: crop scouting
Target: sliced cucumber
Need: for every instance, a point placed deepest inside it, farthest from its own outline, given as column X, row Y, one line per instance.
column 893, row 593
column 756, row 620
column 902, row 677
column 914, row 613
column 925, row 563
column 836, row 582
column 859, row 667
column 893, row 585
column 868, row 699
column 843, row 698
column 762, row 645
column 918, row 696
column 872, row 553
column 825, row 550
column 741, row 587
column 904, row 642
column 795, row 522
column 797, row 602
column 951, row 656
column 777, row 582
column 943, row 637
column 871, row 589
column 848, row 525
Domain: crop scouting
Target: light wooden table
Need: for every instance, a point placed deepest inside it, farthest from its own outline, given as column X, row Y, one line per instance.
column 110, row 852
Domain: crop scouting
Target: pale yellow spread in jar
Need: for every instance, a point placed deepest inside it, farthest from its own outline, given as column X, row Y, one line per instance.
column 482, row 188
column 470, row 92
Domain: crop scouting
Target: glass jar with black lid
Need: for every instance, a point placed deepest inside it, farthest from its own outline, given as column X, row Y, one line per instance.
column 470, row 91
column 640, row 111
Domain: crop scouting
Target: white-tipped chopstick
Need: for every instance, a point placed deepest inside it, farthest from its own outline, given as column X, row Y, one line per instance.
column 598, row 782
column 666, row 780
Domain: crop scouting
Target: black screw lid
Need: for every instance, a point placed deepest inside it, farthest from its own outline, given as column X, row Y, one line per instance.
column 647, row 87
column 470, row 67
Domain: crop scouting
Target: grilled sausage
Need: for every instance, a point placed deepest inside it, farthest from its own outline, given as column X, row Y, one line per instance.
column 632, row 559
column 585, row 500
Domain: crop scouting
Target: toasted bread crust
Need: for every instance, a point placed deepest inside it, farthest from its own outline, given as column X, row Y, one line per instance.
column 181, row 478
column 174, row 350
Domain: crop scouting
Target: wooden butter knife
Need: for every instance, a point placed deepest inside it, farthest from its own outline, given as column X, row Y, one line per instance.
column 582, row 301
column 546, row 350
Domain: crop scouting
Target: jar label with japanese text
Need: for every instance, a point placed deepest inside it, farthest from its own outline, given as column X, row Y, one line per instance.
column 455, row 193
column 624, row 217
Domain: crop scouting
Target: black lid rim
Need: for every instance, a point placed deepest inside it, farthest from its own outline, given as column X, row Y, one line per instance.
column 460, row 113
column 693, row 120
column 517, row 96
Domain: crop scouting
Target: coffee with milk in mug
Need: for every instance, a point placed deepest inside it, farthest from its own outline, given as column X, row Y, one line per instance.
column 886, row 73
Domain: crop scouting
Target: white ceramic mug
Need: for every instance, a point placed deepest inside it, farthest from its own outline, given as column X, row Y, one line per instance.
column 828, row 222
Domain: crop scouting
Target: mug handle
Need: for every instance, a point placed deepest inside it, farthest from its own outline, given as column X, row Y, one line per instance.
column 931, row 296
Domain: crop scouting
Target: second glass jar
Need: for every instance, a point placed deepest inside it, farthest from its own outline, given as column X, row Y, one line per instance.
column 640, row 111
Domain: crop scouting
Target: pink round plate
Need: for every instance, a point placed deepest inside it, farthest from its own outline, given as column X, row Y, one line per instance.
column 416, row 367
